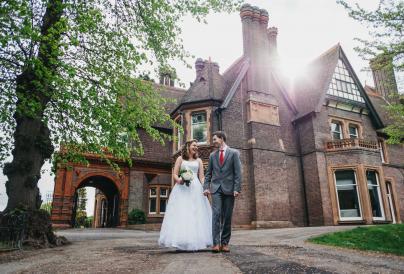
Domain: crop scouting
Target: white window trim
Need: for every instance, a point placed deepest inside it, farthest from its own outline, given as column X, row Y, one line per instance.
column 360, row 218
column 379, row 195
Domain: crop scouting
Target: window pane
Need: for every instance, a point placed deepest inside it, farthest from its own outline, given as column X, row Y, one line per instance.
column 374, row 191
column 199, row 132
column 381, row 149
column 153, row 191
column 336, row 131
column 198, row 118
column 345, row 177
column 199, row 127
column 163, row 192
column 163, row 203
column 152, row 205
column 347, row 194
column 353, row 131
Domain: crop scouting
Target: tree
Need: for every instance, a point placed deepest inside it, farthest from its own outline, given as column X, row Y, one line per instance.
column 386, row 25
column 67, row 76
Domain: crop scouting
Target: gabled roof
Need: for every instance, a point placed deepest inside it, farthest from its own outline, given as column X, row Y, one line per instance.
column 308, row 89
column 209, row 85
column 311, row 91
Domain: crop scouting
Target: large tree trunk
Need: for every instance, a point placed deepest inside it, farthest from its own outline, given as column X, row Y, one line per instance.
column 32, row 143
column 32, row 147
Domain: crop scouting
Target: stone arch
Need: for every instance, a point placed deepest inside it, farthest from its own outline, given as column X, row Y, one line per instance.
column 109, row 188
column 68, row 180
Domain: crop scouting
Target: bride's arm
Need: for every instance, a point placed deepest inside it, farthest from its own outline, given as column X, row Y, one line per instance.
column 201, row 175
column 176, row 171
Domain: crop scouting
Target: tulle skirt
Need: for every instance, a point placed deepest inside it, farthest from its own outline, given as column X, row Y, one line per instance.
column 187, row 223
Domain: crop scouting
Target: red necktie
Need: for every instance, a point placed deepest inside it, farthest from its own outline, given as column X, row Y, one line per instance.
column 221, row 158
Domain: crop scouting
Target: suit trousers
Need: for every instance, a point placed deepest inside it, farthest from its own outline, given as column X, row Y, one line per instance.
column 222, row 211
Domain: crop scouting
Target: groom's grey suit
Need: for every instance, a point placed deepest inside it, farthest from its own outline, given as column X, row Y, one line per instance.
column 222, row 181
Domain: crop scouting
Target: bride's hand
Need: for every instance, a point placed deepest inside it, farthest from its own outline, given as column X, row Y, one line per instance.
column 180, row 181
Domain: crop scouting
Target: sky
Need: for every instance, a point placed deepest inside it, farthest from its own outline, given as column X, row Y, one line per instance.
column 306, row 29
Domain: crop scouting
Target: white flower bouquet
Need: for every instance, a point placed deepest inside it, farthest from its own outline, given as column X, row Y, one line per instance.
column 187, row 175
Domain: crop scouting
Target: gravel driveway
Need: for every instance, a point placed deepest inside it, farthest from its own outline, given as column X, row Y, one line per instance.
column 252, row 251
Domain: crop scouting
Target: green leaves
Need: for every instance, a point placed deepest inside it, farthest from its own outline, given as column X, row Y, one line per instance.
column 78, row 60
column 386, row 26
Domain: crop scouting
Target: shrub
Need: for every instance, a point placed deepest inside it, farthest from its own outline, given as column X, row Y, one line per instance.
column 136, row 216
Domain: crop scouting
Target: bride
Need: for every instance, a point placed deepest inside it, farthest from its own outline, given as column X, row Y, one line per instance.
column 187, row 223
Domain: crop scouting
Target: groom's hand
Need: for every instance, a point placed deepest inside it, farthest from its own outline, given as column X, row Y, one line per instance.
column 206, row 192
column 236, row 193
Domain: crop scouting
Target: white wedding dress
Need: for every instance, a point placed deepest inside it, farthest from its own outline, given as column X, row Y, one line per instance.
column 187, row 223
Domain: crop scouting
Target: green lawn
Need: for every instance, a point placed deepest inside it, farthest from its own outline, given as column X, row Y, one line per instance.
column 381, row 238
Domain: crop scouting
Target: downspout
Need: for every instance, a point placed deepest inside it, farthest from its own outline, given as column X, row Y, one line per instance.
column 218, row 113
column 306, row 210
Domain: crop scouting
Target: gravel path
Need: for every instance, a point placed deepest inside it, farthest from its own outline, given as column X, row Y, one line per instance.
column 256, row 251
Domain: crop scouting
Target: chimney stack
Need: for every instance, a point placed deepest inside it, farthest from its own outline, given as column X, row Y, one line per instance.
column 256, row 46
column 272, row 34
column 383, row 77
column 199, row 65
column 254, row 23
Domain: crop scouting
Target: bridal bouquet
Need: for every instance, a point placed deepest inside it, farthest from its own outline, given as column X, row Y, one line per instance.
column 186, row 175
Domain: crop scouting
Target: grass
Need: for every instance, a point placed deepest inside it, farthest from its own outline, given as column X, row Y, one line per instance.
column 381, row 238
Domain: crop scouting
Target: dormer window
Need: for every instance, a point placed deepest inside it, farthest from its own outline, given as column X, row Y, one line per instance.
column 199, row 127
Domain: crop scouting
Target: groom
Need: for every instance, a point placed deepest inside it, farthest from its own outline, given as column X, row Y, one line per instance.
column 223, row 182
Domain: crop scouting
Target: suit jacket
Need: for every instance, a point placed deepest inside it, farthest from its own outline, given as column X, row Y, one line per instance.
column 227, row 176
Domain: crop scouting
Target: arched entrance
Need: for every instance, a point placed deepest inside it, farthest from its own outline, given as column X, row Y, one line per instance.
column 113, row 185
column 106, row 214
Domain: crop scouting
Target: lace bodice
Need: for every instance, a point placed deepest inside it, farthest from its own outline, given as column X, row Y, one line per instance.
column 192, row 165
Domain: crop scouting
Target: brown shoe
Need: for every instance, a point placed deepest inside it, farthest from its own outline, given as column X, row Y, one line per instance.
column 225, row 248
column 216, row 249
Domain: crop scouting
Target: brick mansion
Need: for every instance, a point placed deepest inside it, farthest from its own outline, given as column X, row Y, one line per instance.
column 313, row 153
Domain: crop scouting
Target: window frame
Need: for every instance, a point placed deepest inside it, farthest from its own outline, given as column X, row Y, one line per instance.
column 345, row 124
column 382, row 150
column 360, row 218
column 341, row 126
column 379, row 194
column 177, row 134
column 158, row 198
column 353, row 125
column 206, row 125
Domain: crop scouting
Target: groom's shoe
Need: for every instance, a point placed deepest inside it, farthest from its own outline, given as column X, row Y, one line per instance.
column 216, row 249
column 225, row 248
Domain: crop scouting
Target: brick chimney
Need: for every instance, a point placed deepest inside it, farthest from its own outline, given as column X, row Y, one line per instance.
column 384, row 78
column 254, row 23
column 256, row 46
column 272, row 34
column 199, row 66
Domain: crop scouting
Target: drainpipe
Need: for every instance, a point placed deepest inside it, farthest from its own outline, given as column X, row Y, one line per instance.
column 218, row 113
column 299, row 147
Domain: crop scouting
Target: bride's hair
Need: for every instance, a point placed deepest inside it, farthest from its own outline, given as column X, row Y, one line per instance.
column 185, row 149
